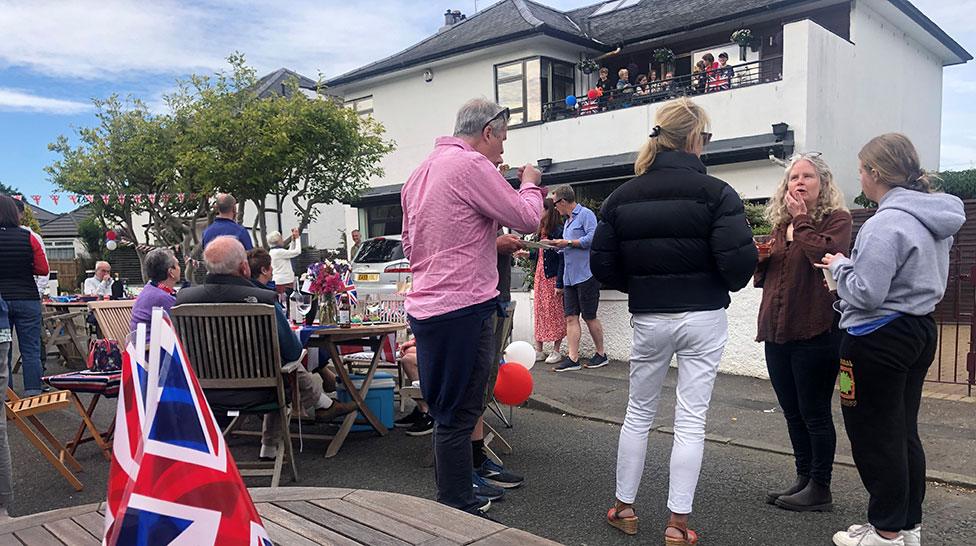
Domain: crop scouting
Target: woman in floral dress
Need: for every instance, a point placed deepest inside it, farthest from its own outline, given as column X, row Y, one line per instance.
column 550, row 324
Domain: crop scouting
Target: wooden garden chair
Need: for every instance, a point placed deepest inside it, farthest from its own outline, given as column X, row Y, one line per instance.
column 23, row 413
column 234, row 346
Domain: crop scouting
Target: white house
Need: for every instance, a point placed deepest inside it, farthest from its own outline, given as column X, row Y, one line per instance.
column 818, row 76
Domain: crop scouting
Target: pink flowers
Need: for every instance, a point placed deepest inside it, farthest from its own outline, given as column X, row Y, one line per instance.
column 327, row 277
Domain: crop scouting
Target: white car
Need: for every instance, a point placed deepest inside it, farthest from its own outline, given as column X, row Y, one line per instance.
column 380, row 267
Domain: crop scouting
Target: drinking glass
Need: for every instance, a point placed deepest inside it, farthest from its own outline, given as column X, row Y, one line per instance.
column 302, row 302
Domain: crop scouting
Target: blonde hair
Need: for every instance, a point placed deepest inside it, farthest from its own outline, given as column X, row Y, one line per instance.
column 830, row 199
column 679, row 124
column 894, row 160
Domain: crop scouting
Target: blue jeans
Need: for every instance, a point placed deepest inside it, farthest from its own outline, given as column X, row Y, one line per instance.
column 25, row 316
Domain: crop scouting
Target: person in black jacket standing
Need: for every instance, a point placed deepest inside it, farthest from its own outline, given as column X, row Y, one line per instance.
column 677, row 242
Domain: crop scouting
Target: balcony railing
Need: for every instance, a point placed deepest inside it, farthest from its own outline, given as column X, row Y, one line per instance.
column 745, row 75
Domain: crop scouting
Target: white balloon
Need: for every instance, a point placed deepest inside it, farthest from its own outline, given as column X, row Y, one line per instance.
column 522, row 352
column 111, row 245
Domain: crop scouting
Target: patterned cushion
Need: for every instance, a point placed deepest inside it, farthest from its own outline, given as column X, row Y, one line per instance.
column 104, row 383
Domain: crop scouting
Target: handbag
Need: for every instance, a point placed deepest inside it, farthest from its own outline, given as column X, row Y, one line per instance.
column 104, row 355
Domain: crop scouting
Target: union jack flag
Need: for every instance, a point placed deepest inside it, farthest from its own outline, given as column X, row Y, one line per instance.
column 350, row 288
column 172, row 480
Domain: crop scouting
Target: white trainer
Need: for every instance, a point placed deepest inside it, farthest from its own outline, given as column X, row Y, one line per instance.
column 913, row 537
column 554, row 357
column 864, row 535
column 268, row 452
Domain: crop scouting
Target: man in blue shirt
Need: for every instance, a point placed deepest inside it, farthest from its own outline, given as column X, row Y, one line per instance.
column 226, row 223
column 581, row 292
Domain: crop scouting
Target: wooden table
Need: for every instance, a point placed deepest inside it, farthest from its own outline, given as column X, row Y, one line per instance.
column 368, row 336
column 70, row 337
column 304, row 516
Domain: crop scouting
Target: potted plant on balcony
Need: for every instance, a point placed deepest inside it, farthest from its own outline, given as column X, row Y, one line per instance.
column 588, row 66
column 665, row 56
column 743, row 37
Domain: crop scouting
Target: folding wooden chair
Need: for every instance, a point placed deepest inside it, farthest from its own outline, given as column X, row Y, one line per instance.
column 23, row 412
column 234, row 346
column 114, row 320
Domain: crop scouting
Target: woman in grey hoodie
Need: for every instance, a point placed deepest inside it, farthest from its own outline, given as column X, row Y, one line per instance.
column 888, row 289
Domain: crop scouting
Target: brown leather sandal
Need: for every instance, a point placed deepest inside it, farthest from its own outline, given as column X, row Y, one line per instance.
column 627, row 524
column 689, row 537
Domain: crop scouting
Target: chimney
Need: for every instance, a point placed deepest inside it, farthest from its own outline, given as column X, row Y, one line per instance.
column 451, row 18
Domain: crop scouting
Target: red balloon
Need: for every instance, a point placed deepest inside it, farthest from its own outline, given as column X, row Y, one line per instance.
column 514, row 384
column 110, row 235
column 592, row 94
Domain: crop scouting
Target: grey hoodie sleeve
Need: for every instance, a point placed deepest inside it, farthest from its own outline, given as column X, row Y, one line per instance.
column 864, row 281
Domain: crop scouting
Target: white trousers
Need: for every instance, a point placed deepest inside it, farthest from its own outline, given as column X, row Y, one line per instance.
column 698, row 338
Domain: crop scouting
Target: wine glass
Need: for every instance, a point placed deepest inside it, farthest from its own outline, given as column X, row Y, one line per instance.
column 302, row 302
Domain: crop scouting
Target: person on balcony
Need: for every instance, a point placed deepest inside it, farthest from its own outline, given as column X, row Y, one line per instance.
column 643, row 87
column 699, row 78
column 624, row 89
column 888, row 291
column 724, row 73
column 606, row 88
column 677, row 242
column 796, row 322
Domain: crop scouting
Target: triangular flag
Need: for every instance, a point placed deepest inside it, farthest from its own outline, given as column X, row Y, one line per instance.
column 37, row 199
column 74, row 198
column 106, row 198
column 55, row 197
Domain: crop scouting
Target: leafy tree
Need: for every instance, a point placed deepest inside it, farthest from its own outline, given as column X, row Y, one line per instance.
column 8, row 190
column 29, row 220
column 92, row 235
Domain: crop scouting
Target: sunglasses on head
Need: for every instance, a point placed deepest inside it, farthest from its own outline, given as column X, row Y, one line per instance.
column 805, row 155
column 502, row 114
column 706, row 138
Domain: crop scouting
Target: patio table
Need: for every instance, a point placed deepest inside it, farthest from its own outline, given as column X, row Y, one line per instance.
column 304, row 516
column 329, row 338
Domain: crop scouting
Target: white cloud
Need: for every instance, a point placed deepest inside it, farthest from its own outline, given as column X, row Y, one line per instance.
column 109, row 39
column 16, row 100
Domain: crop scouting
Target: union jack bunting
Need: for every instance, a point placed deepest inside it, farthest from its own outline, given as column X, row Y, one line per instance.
column 172, row 480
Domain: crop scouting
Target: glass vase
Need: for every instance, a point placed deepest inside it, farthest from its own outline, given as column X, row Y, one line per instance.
column 327, row 309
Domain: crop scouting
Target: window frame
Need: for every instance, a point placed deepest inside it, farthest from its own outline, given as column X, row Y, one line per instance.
column 545, row 78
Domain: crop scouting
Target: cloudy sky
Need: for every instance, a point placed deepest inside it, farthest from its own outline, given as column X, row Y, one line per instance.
column 56, row 55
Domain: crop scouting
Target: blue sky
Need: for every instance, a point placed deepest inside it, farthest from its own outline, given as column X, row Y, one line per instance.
column 56, row 56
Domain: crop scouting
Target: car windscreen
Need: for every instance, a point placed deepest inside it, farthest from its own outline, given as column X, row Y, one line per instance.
column 376, row 251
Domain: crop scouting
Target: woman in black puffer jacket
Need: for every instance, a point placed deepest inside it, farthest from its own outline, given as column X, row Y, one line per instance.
column 677, row 242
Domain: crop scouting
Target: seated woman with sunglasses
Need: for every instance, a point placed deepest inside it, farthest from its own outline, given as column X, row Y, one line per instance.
column 798, row 324
column 677, row 242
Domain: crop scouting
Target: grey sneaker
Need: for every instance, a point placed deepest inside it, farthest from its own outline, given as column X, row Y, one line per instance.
column 598, row 361
column 567, row 365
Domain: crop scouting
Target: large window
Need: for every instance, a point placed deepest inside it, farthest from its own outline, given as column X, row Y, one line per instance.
column 384, row 220
column 60, row 250
column 525, row 86
column 363, row 105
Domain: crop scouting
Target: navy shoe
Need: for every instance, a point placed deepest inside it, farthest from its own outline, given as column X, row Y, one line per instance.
column 567, row 365
column 496, row 475
column 598, row 361
column 484, row 489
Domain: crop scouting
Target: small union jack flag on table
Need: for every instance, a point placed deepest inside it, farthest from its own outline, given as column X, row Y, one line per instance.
column 172, row 479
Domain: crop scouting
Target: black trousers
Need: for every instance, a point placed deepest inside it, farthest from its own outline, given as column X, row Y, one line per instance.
column 455, row 352
column 881, row 380
column 803, row 374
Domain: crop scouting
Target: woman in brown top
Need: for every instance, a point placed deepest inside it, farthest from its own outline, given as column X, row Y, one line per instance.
column 798, row 324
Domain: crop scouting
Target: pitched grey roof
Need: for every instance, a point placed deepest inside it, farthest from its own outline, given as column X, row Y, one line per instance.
column 41, row 215
column 509, row 20
column 502, row 22
column 275, row 83
column 66, row 224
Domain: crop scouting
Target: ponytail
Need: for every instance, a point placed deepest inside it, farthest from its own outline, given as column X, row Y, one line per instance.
column 678, row 123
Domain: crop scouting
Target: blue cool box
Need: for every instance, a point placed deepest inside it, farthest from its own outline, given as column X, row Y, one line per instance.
column 379, row 399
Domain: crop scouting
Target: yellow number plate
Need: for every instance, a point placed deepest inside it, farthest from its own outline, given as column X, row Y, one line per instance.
column 367, row 277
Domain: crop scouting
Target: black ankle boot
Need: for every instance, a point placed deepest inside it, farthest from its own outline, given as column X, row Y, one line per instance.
column 798, row 485
column 815, row 497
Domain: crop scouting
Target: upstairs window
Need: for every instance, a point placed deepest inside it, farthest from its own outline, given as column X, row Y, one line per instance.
column 525, row 86
column 363, row 106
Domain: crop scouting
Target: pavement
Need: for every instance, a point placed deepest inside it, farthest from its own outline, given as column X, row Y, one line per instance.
column 569, row 464
column 744, row 412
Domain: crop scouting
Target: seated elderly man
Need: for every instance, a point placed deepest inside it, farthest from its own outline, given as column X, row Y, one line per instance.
column 101, row 284
column 228, row 281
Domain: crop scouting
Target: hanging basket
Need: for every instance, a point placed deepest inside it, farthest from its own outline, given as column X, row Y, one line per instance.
column 664, row 55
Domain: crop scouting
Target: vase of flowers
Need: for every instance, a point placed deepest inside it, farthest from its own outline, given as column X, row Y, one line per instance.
column 327, row 280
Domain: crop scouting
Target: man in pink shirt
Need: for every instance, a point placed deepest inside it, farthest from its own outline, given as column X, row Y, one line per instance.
column 453, row 205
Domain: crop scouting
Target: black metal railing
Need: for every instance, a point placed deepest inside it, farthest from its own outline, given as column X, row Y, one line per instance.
column 743, row 75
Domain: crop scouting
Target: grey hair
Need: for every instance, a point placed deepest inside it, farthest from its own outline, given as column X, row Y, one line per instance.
column 564, row 192
column 158, row 263
column 224, row 255
column 275, row 239
column 473, row 116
